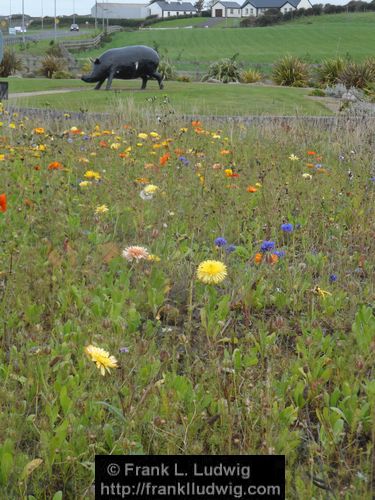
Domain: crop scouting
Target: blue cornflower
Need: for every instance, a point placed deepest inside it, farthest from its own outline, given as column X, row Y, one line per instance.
column 372, row 179
column 267, row 246
column 220, row 242
column 123, row 350
column 184, row 160
column 332, row 278
column 279, row 253
column 230, row 248
column 287, row 227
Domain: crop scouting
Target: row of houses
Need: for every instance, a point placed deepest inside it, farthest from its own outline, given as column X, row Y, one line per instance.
column 256, row 7
column 140, row 9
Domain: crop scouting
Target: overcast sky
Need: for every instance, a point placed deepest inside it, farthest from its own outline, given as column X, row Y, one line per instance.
column 65, row 7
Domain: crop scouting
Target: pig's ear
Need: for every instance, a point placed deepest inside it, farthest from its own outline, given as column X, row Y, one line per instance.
column 96, row 61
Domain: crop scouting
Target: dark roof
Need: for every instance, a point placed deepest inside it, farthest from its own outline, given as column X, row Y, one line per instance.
column 229, row 5
column 270, row 4
column 176, row 6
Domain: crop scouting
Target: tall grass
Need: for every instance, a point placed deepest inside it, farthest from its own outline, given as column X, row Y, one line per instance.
column 276, row 358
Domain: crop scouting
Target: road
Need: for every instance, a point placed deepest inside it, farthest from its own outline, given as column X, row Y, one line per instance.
column 46, row 35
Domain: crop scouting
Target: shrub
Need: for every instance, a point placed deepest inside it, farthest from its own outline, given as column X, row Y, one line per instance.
column 271, row 16
column 10, row 63
column 166, row 69
column 183, row 78
column 317, row 93
column 225, row 70
column 251, row 76
column 51, row 65
column 62, row 75
column 329, row 71
column 54, row 50
column 357, row 75
column 290, row 71
column 248, row 22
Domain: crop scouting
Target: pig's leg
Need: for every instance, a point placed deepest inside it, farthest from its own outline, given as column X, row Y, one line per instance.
column 159, row 78
column 99, row 84
column 109, row 80
column 144, row 82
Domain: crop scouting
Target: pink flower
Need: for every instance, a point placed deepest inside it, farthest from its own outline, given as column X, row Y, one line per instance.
column 135, row 253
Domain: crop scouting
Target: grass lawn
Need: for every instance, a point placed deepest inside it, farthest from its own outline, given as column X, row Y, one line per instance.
column 187, row 98
column 312, row 38
column 179, row 23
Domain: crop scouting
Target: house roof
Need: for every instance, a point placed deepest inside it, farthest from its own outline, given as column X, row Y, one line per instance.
column 228, row 5
column 270, row 4
column 176, row 6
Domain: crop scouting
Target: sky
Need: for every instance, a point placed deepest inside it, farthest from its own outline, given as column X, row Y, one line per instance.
column 65, row 7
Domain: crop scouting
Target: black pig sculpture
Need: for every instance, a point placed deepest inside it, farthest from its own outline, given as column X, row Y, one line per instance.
column 125, row 63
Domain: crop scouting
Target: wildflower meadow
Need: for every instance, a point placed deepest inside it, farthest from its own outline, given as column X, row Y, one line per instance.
column 186, row 287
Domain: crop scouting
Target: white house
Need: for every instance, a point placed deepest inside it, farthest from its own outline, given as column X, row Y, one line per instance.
column 257, row 7
column 226, row 9
column 134, row 9
column 169, row 9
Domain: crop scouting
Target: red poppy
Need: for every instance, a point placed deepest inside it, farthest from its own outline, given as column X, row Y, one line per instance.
column 3, row 202
column 55, row 165
column 163, row 160
column 311, row 153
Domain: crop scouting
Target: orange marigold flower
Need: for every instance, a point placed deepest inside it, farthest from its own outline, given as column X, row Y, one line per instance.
column 38, row 130
column 163, row 160
column 251, row 189
column 258, row 258
column 103, row 144
column 271, row 258
column 196, row 123
column 55, row 165
column 3, row 202
column 225, row 152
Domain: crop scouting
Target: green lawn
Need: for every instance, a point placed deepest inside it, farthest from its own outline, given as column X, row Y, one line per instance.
column 189, row 98
column 313, row 38
column 179, row 23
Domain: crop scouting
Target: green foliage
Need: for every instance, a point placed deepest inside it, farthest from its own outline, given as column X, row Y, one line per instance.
column 357, row 75
column 225, row 70
column 290, row 71
column 277, row 357
column 166, row 69
column 10, row 63
column 51, row 65
column 251, row 76
column 329, row 71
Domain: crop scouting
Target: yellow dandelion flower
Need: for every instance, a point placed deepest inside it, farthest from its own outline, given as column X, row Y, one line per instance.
column 154, row 135
column 101, row 358
column 211, row 272
column 153, row 258
column 115, row 145
column 307, row 176
column 84, row 184
column 150, row 189
column 293, row 157
column 142, row 135
column 101, row 209
column 90, row 174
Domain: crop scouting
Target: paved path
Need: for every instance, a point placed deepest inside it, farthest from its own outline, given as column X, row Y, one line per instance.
column 43, row 92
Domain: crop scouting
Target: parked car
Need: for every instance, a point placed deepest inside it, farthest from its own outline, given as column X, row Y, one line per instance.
column 19, row 29
column 74, row 27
